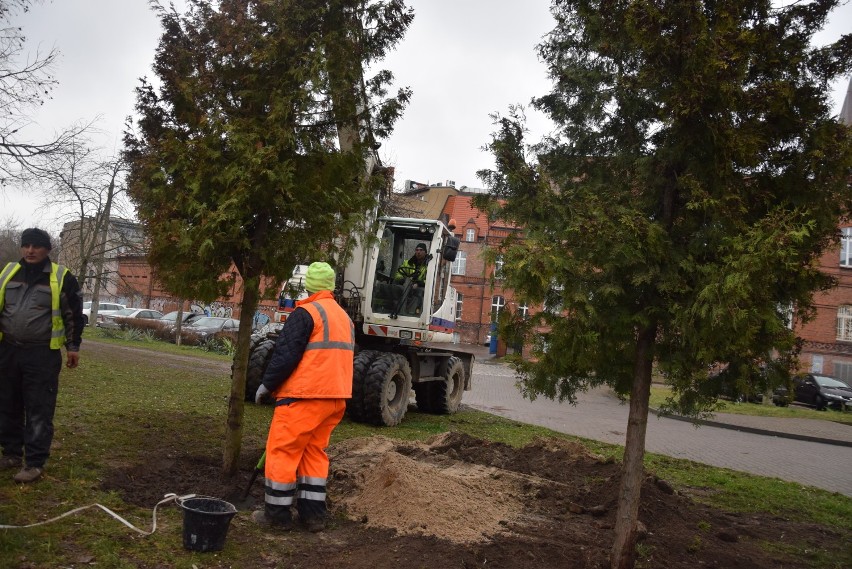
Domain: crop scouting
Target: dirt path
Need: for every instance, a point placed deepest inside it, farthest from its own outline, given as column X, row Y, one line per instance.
column 177, row 361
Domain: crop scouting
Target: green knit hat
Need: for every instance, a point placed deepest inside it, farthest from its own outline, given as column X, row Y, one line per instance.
column 320, row 276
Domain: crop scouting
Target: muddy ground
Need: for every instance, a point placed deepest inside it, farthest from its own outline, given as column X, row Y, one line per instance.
column 460, row 502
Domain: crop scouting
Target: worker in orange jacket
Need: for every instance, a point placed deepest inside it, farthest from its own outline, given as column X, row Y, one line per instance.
column 310, row 378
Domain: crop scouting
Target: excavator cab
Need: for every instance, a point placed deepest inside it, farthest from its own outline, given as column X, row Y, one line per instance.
column 398, row 288
column 397, row 292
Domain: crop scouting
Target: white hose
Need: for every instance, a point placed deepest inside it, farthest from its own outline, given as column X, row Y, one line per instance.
column 166, row 499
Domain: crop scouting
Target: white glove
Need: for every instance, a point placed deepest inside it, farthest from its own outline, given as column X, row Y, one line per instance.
column 261, row 393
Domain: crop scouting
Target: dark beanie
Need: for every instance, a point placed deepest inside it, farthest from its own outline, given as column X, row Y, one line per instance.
column 37, row 237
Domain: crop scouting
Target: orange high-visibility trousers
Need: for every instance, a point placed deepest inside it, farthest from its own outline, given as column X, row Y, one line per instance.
column 296, row 462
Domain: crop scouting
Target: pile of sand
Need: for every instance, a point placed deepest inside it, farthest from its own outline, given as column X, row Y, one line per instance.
column 453, row 500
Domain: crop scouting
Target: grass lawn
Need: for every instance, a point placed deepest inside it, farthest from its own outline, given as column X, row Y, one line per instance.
column 659, row 393
column 113, row 405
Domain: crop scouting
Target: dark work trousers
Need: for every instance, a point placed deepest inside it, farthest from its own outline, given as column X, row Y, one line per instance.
column 29, row 383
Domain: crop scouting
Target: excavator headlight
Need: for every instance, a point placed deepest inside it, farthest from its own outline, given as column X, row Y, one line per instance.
column 405, row 334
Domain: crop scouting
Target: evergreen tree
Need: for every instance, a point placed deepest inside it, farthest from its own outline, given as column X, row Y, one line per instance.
column 235, row 157
column 680, row 207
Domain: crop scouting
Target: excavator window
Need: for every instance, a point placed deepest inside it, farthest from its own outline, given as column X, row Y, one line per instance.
column 398, row 287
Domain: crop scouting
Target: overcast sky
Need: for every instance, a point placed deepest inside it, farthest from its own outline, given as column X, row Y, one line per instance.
column 464, row 59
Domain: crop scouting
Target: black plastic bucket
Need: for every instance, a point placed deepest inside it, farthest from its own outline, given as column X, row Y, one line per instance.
column 205, row 522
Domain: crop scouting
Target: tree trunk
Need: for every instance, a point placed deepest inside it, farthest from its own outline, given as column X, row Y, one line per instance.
column 179, row 323
column 236, row 402
column 623, row 554
column 102, row 241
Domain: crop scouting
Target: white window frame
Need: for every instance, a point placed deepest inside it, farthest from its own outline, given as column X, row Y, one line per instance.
column 844, row 323
column 460, row 264
column 846, row 247
column 470, row 235
column 459, row 299
column 524, row 310
column 498, row 267
column 497, row 303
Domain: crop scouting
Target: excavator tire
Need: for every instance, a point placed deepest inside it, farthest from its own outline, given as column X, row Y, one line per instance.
column 259, row 358
column 446, row 395
column 387, row 388
column 363, row 361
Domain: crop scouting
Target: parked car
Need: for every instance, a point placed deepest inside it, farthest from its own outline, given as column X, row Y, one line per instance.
column 820, row 391
column 104, row 309
column 736, row 384
column 170, row 318
column 126, row 316
column 209, row 325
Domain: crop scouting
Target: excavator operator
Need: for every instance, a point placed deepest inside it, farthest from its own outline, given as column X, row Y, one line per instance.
column 415, row 267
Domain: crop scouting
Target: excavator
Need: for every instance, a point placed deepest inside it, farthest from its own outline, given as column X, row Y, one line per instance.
column 404, row 332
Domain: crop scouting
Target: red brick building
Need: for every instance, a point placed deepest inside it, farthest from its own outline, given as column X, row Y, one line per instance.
column 827, row 339
column 481, row 296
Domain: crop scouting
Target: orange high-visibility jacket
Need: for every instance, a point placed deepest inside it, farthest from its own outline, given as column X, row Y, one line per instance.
column 325, row 370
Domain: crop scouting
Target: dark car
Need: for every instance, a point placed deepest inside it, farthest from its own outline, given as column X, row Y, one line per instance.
column 739, row 387
column 170, row 318
column 820, row 391
column 209, row 325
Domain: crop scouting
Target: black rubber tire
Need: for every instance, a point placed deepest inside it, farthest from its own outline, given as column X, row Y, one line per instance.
column 820, row 403
column 85, row 320
column 258, row 360
column 254, row 340
column 360, row 366
column 387, row 388
column 446, row 395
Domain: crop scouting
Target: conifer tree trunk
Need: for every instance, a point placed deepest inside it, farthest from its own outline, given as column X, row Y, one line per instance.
column 236, row 401
column 623, row 553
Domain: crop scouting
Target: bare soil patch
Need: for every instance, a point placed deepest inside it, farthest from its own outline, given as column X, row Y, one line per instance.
column 460, row 502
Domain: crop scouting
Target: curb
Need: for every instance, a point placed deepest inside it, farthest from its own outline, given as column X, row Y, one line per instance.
column 754, row 430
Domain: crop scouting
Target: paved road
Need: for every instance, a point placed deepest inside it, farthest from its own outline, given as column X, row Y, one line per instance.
column 600, row 416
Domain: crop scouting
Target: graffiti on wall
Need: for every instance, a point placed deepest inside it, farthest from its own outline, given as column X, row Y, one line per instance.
column 159, row 303
column 212, row 309
column 260, row 320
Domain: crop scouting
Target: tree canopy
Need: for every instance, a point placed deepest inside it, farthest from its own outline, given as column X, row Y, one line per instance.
column 680, row 206
column 235, row 158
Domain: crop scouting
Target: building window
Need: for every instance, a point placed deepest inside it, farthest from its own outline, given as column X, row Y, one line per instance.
column 497, row 302
column 459, row 298
column 523, row 310
column 844, row 323
column 842, row 370
column 470, row 235
column 846, row 247
column 460, row 264
column 498, row 267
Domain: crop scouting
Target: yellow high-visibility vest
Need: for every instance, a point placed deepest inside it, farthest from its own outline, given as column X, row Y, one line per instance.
column 57, row 277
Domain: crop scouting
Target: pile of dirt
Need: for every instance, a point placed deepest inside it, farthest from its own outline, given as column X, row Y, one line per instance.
column 383, row 487
column 458, row 501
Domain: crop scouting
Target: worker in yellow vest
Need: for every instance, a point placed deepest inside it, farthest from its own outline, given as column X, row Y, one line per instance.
column 41, row 311
column 310, row 378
